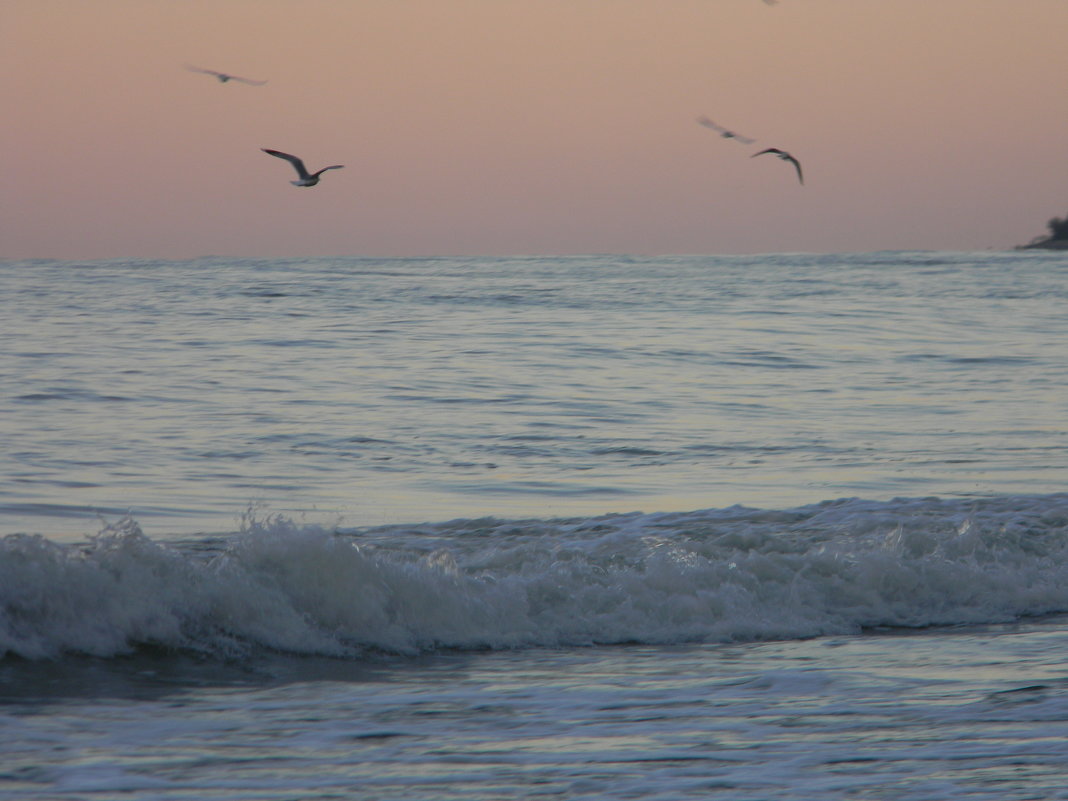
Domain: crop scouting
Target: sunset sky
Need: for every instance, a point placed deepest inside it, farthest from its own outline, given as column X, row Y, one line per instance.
column 497, row 127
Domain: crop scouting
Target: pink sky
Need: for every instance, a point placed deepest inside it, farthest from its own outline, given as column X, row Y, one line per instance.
column 529, row 126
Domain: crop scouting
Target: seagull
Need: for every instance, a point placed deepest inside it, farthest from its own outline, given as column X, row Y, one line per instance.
column 726, row 134
column 785, row 157
column 306, row 178
column 224, row 77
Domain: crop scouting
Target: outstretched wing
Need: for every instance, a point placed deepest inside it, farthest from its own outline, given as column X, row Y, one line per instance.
column 247, row 80
column 774, row 150
column 797, row 166
column 191, row 68
column 298, row 165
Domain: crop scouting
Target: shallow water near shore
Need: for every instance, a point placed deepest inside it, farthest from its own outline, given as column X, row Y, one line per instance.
column 935, row 714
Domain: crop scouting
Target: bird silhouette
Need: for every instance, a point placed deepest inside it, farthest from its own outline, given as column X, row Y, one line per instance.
column 724, row 132
column 306, row 178
column 785, row 157
column 223, row 77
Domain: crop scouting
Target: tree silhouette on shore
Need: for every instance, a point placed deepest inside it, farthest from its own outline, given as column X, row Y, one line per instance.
column 1058, row 228
column 1058, row 235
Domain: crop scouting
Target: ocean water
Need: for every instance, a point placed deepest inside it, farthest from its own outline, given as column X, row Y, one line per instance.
column 790, row 526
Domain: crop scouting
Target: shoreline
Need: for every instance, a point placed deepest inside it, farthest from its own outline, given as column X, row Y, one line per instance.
column 1045, row 244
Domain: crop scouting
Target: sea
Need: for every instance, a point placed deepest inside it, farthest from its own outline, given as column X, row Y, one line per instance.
column 787, row 526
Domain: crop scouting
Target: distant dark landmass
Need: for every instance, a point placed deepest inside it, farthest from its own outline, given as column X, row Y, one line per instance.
column 1057, row 239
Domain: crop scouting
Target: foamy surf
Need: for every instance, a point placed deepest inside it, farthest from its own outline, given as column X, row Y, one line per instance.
column 716, row 575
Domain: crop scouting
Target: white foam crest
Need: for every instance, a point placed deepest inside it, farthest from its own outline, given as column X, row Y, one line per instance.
column 727, row 574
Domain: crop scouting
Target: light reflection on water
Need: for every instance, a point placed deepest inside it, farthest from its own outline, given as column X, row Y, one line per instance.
column 938, row 714
column 377, row 391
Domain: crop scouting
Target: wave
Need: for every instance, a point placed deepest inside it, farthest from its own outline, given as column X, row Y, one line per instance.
column 734, row 574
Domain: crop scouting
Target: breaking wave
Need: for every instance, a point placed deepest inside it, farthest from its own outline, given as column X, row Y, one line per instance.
column 733, row 574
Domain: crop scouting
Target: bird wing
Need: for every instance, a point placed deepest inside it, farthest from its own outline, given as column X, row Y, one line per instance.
column 797, row 165
column 298, row 165
column 774, row 150
column 324, row 169
column 191, row 68
column 247, row 80
column 705, row 121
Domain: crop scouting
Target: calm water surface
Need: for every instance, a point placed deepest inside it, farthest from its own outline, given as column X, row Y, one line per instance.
column 371, row 391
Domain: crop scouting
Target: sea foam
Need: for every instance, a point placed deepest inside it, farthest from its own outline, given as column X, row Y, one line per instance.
column 733, row 574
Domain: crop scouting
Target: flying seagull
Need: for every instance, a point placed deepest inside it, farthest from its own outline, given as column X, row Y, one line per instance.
column 306, row 178
column 785, row 157
column 726, row 134
column 224, row 77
